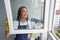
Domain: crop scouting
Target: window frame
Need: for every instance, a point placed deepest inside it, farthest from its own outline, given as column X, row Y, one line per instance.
column 51, row 21
column 9, row 16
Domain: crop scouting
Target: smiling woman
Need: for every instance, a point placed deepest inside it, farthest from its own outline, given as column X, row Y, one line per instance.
column 22, row 20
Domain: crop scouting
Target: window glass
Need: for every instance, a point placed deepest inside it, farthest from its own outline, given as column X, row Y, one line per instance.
column 35, row 11
column 56, row 21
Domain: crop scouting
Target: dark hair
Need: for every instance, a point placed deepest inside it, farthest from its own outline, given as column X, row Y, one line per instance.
column 19, row 13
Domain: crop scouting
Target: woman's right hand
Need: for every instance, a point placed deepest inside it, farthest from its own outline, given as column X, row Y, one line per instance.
column 7, row 34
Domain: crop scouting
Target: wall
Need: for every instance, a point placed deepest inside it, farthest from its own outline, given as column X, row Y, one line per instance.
column 2, row 25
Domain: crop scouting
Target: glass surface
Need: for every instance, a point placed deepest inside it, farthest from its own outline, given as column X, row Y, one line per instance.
column 56, row 20
column 35, row 11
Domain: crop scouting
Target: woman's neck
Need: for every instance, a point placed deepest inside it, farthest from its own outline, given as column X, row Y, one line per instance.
column 22, row 20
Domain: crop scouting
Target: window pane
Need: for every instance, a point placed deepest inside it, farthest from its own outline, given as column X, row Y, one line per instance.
column 35, row 11
column 56, row 20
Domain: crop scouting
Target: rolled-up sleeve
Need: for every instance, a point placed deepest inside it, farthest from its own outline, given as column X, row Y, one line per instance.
column 29, row 24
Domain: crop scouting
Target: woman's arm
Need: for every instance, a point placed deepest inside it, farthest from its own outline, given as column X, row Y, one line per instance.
column 7, row 33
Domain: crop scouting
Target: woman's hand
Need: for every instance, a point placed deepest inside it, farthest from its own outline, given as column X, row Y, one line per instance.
column 31, row 34
column 7, row 34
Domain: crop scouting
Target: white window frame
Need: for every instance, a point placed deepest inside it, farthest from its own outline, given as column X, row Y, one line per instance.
column 10, row 20
column 51, row 20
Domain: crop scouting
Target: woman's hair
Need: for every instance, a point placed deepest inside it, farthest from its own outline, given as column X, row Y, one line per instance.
column 19, row 13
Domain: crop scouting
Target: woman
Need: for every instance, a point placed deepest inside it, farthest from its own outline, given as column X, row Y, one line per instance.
column 22, row 19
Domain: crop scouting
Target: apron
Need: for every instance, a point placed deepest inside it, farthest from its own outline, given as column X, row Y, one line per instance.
column 22, row 36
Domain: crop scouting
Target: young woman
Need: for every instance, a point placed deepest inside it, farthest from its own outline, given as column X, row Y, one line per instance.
column 22, row 19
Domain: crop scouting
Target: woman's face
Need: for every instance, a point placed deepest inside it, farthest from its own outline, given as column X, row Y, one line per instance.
column 24, row 13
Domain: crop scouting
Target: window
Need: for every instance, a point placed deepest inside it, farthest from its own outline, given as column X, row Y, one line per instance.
column 54, row 26
column 37, row 11
column 56, row 23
